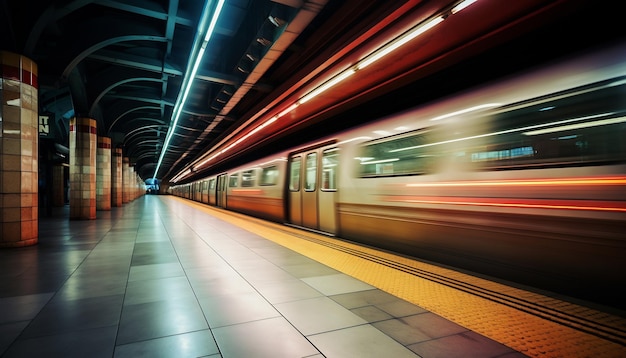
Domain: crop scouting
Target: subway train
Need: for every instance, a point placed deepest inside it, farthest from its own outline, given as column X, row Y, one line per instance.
column 521, row 180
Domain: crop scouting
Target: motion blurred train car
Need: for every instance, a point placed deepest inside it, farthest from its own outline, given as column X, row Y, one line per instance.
column 522, row 180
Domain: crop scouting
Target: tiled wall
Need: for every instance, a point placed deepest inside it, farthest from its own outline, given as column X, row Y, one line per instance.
column 125, row 180
column 83, row 142
column 103, row 174
column 116, row 177
column 18, row 150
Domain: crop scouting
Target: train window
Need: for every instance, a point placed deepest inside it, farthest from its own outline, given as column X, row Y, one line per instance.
column 583, row 126
column 233, row 181
column 330, row 160
column 310, row 178
column 247, row 178
column 399, row 155
column 269, row 175
column 294, row 173
column 211, row 184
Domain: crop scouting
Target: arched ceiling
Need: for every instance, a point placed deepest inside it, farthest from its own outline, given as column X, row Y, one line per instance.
column 123, row 63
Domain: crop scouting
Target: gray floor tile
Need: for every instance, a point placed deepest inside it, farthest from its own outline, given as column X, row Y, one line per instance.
column 146, row 272
column 400, row 308
column 433, row 325
column 286, row 291
column 317, row 315
column 308, row 270
column 61, row 316
column 400, row 331
column 365, row 298
column 22, row 308
column 371, row 314
column 9, row 332
column 337, row 284
column 93, row 343
column 466, row 345
column 362, row 341
column 268, row 338
column 188, row 345
column 159, row 319
column 161, row 289
column 239, row 308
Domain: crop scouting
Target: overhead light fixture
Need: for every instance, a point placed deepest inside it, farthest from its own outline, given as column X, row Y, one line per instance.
column 243, row 68
column 333, row 81
column 228, row 90
column 462, row 6
column 203, row 35
column 392, row 46
column 278, row 22
column 263, row 41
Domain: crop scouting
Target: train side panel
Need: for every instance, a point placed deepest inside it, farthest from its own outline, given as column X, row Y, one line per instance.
column 258, row 190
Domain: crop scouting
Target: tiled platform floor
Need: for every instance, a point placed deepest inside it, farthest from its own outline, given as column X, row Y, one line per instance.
column 158, row 278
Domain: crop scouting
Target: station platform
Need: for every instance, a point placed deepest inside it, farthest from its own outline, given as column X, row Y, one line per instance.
column 168, row 277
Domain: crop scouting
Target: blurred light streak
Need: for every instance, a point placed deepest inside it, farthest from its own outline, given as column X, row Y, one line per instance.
column 514, row 203
column 529, row 182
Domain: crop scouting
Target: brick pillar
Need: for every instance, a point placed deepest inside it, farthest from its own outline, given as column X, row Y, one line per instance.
column 116, row 177
column 125, row 180
column 83, row 143
column 103, row 174
column 58, row 185
column 19, row 148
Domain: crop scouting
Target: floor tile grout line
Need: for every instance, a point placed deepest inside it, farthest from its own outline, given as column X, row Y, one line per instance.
column 244, row 278
column 130, row 263
column 169, row 236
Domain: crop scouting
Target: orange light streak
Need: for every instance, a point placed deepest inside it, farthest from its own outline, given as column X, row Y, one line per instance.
column 248, row 191
column 531, row 182
column 618, row 206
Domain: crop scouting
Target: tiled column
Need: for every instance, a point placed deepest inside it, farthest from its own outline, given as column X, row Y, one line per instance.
column 83, row 143
column 116, row 177
column 58, row 186
column 133, row 183
column 19, row 142
column 125, row 180
column 103, row 174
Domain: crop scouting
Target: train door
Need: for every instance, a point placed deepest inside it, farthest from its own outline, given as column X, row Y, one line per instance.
column 211, row 191
column 312, row 189
column 220, row 195
column 329, row 167
column 295, row 200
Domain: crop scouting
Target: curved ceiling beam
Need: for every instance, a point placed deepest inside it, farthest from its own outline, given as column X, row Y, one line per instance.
column 149, row 144
column 128, row 111
column 99, row 45
column 143, row 131
column 116, row 83
column 53, row 13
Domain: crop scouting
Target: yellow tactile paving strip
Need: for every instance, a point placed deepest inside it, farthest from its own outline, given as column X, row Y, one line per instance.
column 527, row 333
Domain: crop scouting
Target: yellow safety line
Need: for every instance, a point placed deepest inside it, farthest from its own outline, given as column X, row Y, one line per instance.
column 523, row 332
